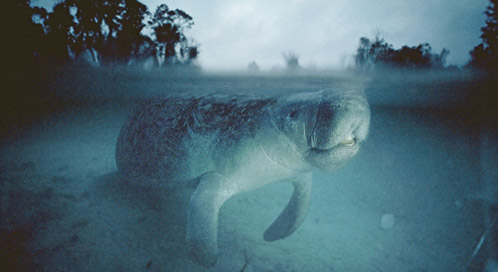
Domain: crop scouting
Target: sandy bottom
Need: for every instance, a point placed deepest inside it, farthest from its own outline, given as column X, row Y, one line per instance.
column 406, row 202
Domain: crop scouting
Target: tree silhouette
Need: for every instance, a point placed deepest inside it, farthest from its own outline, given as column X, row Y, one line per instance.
column 291, row 60
column 485, row 55
column 121, row 30
column 21, row 37
column 97, row 31
column 91, row 17
column 129, row 39
column 439, row 60
column 169, row 26
column 253, row 66
column 61, row 41
column 363, row 54
column 189, row 50
column 371, row 53
column 414, row 57
column 107, row 30
column 380, row 53
column 21, row 79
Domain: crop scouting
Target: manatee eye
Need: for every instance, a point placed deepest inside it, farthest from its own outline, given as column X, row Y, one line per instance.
column 293, row 114
column 348, row 142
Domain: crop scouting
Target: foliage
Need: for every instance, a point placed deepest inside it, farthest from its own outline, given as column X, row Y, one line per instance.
column 95, row 31
column 60, row 31
column 291, row 60
column 381, row 53
column 485, row 55
column 169, row 27
column 20, row 35
column 253, row 66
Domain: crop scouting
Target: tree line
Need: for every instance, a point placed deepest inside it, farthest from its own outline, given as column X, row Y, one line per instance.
column 97, row 32
column 379, row 53
column 485, row 55
column 125, row 31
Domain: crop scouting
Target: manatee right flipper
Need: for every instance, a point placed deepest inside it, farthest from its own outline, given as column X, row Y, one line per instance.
column 202, row 226
column 294, row 213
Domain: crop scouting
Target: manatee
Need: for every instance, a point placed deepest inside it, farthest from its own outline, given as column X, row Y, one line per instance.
column 223, row 145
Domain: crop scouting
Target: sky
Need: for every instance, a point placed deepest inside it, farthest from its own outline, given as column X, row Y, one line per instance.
column 323, row 33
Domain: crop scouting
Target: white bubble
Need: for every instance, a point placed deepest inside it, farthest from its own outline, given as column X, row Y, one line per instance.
column 387, row 221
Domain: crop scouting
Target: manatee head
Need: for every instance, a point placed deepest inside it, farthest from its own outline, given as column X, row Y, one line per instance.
column 327, row 126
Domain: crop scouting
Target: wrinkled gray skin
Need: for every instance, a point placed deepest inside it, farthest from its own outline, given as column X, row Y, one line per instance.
column 226, row 145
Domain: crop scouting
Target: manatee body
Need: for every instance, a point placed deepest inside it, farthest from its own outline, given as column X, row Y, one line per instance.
column 226, row 145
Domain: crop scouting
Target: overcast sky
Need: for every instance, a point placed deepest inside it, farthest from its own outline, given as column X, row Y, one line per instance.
column 324, row 33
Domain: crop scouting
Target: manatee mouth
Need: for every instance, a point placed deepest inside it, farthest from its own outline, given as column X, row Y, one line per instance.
column 332, row 158
column 344, row 143
column 322, row 138
column 349, row 142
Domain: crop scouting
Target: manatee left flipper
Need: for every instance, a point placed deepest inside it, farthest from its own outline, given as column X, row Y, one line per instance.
column 202, row 226
column 294, row 213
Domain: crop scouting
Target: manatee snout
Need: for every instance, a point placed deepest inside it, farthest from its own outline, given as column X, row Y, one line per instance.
column 341, row 125
column 333, row 158
column 344, row 122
